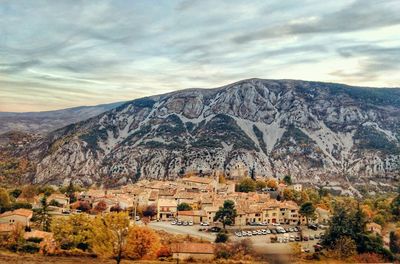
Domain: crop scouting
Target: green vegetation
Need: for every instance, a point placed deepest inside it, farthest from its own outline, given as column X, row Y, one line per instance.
column 246, row 185
column 222, row 237
column 184, row 207
column 226, row 214
column 369, row 138
column 308, row 210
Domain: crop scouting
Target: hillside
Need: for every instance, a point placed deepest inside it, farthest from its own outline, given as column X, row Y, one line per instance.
column 315, row 132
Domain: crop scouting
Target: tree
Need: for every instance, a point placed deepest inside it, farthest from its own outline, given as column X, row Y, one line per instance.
column 15, row 193
column 28, row 192
column 184, row 207
column 54, row 203
column 109, row 235
column 43, row 214
column 260, row 185
column 395, row 207
column 72, row 232
column 287, row 180
column 5, row 202
column 226, row 214
column 142, row 243
column 46, row 190
column 246, row 185
column 101, row 206
column 308, row 210
column 273, row 184
column 344, row 248
column 221, row 237
column 116, row 208
column 150, row 211
column 394, row 243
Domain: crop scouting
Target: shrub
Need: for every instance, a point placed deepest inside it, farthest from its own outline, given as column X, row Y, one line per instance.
column 222, row 237
column 35, row 239
column 30, row 247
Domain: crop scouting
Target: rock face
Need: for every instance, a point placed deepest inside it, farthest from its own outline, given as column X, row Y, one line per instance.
column 315, row 132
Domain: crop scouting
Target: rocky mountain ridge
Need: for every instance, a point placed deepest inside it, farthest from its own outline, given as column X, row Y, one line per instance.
column 315, row 132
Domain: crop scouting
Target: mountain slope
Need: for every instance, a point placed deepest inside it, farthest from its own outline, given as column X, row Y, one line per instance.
column 315, row 132
column 43, row 122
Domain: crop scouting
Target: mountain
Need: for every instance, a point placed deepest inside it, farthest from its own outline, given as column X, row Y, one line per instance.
column 43, row 122
column 316, row 132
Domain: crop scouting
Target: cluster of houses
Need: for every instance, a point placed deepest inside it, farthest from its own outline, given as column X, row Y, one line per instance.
column 204, row 195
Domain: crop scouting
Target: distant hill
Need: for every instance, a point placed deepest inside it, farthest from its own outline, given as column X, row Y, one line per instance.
column 43, row 122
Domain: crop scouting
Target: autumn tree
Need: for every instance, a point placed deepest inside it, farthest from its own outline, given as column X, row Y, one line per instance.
column 109, row 235
column 142, row 243
column 226, row 214
column 5, row 202
column 28, row 192
column 344, row 248
column 246, row 185
column 150, row 211
column 72, row 232
column 260, row 185
column 273, row 184
column 101, row 206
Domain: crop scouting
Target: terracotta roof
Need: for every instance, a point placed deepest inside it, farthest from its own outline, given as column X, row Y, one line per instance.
column 153, row 196
column 22, row 212
column 192, row 213
column 6, row 227
column 199, row 248
column 198, row 180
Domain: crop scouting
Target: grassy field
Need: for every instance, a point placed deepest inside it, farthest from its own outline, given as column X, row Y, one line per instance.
column 8, row 258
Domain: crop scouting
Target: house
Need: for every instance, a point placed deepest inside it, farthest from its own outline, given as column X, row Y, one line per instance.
column 210, row 212
column 166, row 209
column 374, row 228
column 59, row 198
column 195, row 251
column 200, row 183
column 6, row 228
column 22, row 216
column 195, row 216
column 297, row 187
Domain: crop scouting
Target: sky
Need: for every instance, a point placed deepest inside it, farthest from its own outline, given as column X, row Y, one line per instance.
column 59, row 54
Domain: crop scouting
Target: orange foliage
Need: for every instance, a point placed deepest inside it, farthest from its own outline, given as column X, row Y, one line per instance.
column 142, row 243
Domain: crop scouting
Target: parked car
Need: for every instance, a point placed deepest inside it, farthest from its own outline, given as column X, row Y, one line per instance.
column 239, row 234
column 297, row 238
column 215, row 229
column 254, row 232
column 173, row 223
column 305, row 238
column 190, row 223
column 273, row 231
column 313, row 227
column 204, row 224
column 179, row 223
column 296, row 229
column 317, row 247
column 276, row 224
column 185, row 223
column 268, row 231
column 311, row 237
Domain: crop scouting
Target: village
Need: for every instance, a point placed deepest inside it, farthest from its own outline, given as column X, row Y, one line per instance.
column 188, row 206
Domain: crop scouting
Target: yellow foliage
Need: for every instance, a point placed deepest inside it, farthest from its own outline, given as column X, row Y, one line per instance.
column 109, row 233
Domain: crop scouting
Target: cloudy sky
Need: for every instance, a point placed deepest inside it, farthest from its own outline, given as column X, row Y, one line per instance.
column 58, row 54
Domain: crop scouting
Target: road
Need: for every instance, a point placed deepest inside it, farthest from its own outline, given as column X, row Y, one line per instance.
column 183, row 230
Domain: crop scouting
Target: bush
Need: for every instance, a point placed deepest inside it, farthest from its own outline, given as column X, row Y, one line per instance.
column 222, row 237
column 36, row 240
column 30, row 247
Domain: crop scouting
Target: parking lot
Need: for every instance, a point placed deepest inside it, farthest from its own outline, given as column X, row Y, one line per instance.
column 266, row 239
